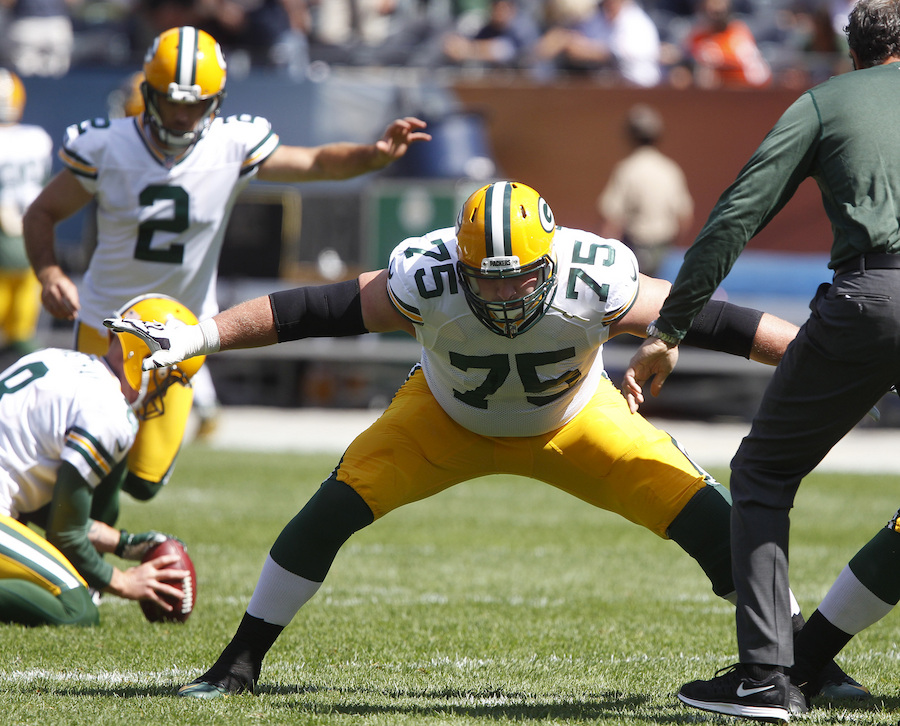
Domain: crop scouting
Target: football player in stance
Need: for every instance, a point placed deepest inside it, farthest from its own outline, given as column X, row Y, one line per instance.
column 512, row 313
column 165, row 183
column 67, row 421
column 26, row 156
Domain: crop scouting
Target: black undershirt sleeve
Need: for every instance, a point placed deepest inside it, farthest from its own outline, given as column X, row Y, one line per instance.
column 724, row 327
column 323, row 311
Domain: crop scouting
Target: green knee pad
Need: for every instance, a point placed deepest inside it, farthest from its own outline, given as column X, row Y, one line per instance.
column 25, row 603
column 309, row 543
column 877, row 563
column 703, row 530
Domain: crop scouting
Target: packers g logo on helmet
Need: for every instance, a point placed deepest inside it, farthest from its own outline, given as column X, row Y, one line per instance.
column 152, row 385
column 505, row 230
column 184, row 65
column 12, row 97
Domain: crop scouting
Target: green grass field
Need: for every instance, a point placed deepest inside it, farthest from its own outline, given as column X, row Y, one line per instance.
column 499, row 601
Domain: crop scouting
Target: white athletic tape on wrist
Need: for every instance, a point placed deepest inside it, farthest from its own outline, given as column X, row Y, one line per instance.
column 211, row 342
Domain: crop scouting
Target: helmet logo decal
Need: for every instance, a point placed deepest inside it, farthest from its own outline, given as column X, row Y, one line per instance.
column 220, row 56
column 546, row 215
column 151, row 51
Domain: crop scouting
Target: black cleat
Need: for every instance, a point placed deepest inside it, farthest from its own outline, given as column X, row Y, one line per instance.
column 235, row 672
column 734, row 693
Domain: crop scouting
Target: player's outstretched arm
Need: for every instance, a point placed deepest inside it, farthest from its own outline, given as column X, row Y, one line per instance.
column 343, row 159
column 772, row 338
column 719, row 326
column 340, row 309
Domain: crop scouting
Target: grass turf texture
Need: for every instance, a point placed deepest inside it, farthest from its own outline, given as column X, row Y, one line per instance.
column 499, row 601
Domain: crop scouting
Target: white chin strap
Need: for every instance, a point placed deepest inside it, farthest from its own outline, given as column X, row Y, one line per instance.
column 177, row 140
column 138, row 403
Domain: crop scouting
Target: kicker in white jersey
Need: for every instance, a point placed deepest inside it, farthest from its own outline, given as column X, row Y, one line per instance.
column 172, row 245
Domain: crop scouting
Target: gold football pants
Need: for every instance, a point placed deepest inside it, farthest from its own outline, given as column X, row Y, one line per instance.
column 38, row 585
column 606, row 456
column 20, row 304
column 159, row 438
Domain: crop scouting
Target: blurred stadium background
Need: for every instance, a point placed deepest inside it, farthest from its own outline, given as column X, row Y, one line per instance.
column 562, row 138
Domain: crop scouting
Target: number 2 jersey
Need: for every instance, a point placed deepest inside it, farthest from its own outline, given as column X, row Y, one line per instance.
column 58, row 405
column 160, row 223
column 542, row 378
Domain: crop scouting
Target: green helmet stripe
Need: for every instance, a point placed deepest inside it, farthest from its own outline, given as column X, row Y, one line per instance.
column 497, row 232
column 507, row 221
column 488, row 221
column 186, row 66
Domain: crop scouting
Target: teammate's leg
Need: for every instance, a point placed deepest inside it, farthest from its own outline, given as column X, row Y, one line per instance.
column 38, row 585
column 21, row 293
column 152, row 457
column 620, row 462
column 384, row 468
column 865, row 591
column 293, row 572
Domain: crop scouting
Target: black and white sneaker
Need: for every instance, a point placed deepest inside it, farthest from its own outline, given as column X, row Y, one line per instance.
column 733, row 692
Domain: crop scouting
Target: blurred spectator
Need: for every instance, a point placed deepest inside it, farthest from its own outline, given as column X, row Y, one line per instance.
column 822, row 40
column 646, row 203
column 271, row 33
column 268, row 32
column 721, row 52
column 37, row 39
column 500, row 43
column 155, row 16
column 613, row 35
column 25, row 161
column 374, row 32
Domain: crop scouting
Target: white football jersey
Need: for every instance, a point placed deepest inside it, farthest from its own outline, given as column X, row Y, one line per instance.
column 537, row 381
column 160, row 224
column 26, row 156
column 58, row 405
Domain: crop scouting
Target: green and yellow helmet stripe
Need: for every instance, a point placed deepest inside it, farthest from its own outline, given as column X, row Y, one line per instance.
column 497, row 228
column 186, row 63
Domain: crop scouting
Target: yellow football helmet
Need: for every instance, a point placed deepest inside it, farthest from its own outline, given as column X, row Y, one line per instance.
column 505, row 230
column 12, row 97
column 184, row 65
column 152, row 385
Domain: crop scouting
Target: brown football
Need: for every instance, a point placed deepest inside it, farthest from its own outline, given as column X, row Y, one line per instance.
column 183, row 606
